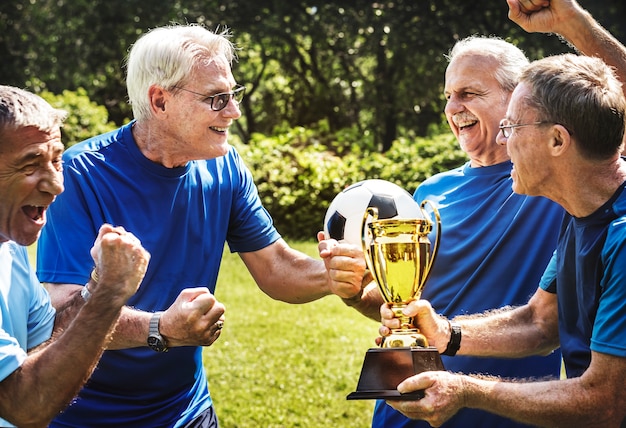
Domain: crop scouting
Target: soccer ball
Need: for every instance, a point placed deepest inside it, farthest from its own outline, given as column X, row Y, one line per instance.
column 344, row 217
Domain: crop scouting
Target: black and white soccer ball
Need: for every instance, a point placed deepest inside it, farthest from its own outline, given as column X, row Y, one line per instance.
column 344, row 217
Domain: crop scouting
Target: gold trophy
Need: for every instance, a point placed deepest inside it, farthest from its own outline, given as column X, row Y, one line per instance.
column 400, row 257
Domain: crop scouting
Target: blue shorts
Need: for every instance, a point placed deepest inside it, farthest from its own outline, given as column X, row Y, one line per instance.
column 206, row 419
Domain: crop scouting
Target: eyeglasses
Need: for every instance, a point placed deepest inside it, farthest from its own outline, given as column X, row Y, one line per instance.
column 507, row 128
column 220, row 101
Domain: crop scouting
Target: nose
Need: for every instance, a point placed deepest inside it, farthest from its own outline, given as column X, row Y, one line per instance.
column 232, row 109
column 501, row 139
column 453, row 105
column 51, row 181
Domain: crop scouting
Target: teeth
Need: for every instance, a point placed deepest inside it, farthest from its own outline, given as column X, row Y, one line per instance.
column 219, row 129
column 463, row 121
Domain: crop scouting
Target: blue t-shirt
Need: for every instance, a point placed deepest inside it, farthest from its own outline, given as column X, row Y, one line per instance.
column 590, row 270
column 183, row 216
column 494, row 247
column 26, row 314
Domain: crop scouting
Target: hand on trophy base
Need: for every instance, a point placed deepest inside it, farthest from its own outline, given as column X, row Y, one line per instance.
column 384, row 369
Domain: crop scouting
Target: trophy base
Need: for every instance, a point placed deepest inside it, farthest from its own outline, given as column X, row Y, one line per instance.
column 384, row 368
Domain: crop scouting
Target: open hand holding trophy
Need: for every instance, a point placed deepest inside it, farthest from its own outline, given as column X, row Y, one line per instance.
column 400, row 257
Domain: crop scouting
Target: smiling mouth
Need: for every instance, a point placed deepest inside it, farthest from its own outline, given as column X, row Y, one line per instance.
column 218, row 129
column 466, row 125
column 34, row 212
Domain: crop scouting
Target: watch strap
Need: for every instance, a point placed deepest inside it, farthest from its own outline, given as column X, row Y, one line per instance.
column 455, row 340
column 156, row 342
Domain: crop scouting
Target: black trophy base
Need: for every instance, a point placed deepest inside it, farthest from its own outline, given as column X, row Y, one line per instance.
column 384, row 369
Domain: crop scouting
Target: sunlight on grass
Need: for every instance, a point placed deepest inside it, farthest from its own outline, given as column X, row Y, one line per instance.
column 279, row 365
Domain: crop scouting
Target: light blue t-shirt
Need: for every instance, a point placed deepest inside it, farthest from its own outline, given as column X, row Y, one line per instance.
column 26, row 314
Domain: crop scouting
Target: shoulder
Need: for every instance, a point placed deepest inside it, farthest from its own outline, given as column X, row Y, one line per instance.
column 95, row 144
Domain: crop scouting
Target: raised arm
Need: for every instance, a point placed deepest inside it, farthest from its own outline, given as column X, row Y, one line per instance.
column 52, row 374
column 570, row 21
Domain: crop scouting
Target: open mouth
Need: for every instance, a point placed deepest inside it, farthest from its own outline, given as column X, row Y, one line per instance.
column 34, row 212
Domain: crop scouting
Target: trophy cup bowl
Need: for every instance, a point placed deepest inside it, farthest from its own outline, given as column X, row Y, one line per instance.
column 399, row 255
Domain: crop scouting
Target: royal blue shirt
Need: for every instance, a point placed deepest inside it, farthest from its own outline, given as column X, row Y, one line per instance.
column 590, row 270
column 495, row 245
column 183, row 217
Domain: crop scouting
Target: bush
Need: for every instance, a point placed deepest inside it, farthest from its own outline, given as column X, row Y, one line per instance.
column 299, row 170
column 86, row 118
column 298, row 173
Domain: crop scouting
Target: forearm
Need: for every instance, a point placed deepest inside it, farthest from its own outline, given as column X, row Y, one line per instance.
column 531, row 329
column 131, row 329
column 591, row 39
column 563, row 403
column 368, row 303
column 286, row 274
column 507, row 333
column 53, row 375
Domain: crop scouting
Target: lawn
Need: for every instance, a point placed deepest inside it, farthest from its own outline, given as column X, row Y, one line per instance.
column 278, row 365
column 284, row 366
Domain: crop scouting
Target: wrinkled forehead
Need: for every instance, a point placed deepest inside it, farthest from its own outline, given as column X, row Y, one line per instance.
column 471, row 70
column 30, row 139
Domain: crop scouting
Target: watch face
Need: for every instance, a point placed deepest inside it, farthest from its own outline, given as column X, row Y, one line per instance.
column 156, row 344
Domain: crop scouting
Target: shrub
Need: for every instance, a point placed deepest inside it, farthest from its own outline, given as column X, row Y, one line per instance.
column 298, row 173
column 86, row 118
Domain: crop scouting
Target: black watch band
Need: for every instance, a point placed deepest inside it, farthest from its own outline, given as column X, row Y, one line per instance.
column 455, row 340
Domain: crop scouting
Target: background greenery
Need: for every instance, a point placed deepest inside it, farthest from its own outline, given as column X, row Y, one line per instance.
column 376, row 66
column 337, row 91
column 278, row 365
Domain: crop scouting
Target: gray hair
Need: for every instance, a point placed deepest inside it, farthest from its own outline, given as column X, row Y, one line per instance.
column 510, row 58
column 166, row 56
column 20, row 109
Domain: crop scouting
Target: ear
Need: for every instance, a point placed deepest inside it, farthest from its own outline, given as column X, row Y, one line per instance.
column 158, row 98
column 561, row 140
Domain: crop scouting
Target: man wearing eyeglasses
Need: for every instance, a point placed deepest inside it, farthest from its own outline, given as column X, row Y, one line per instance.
column 171, row 177
column 569, row 152
column 495, row 243
column 563, row 130
column 487, row 256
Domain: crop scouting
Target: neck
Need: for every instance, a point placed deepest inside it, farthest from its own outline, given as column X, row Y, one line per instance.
column 587, row 187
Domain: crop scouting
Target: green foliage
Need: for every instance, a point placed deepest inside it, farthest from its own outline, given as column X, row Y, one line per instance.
column 86, row 118
column 298, row 172
column 375, row 66
column 285, row 366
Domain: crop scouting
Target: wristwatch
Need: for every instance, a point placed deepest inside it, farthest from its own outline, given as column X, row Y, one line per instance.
column 156, row 342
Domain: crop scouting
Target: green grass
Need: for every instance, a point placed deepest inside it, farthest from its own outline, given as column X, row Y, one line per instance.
column 284, row 366
column 278, row 365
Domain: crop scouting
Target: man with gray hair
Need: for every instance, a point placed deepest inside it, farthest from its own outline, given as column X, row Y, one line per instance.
column 39, row 376
column 171, row 177
column 486, row 258
column 564, row 131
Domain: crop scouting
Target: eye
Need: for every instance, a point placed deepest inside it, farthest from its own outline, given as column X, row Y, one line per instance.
column 29, row 169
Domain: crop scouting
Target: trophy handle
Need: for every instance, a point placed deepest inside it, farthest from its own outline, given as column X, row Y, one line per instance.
column 437, row 235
